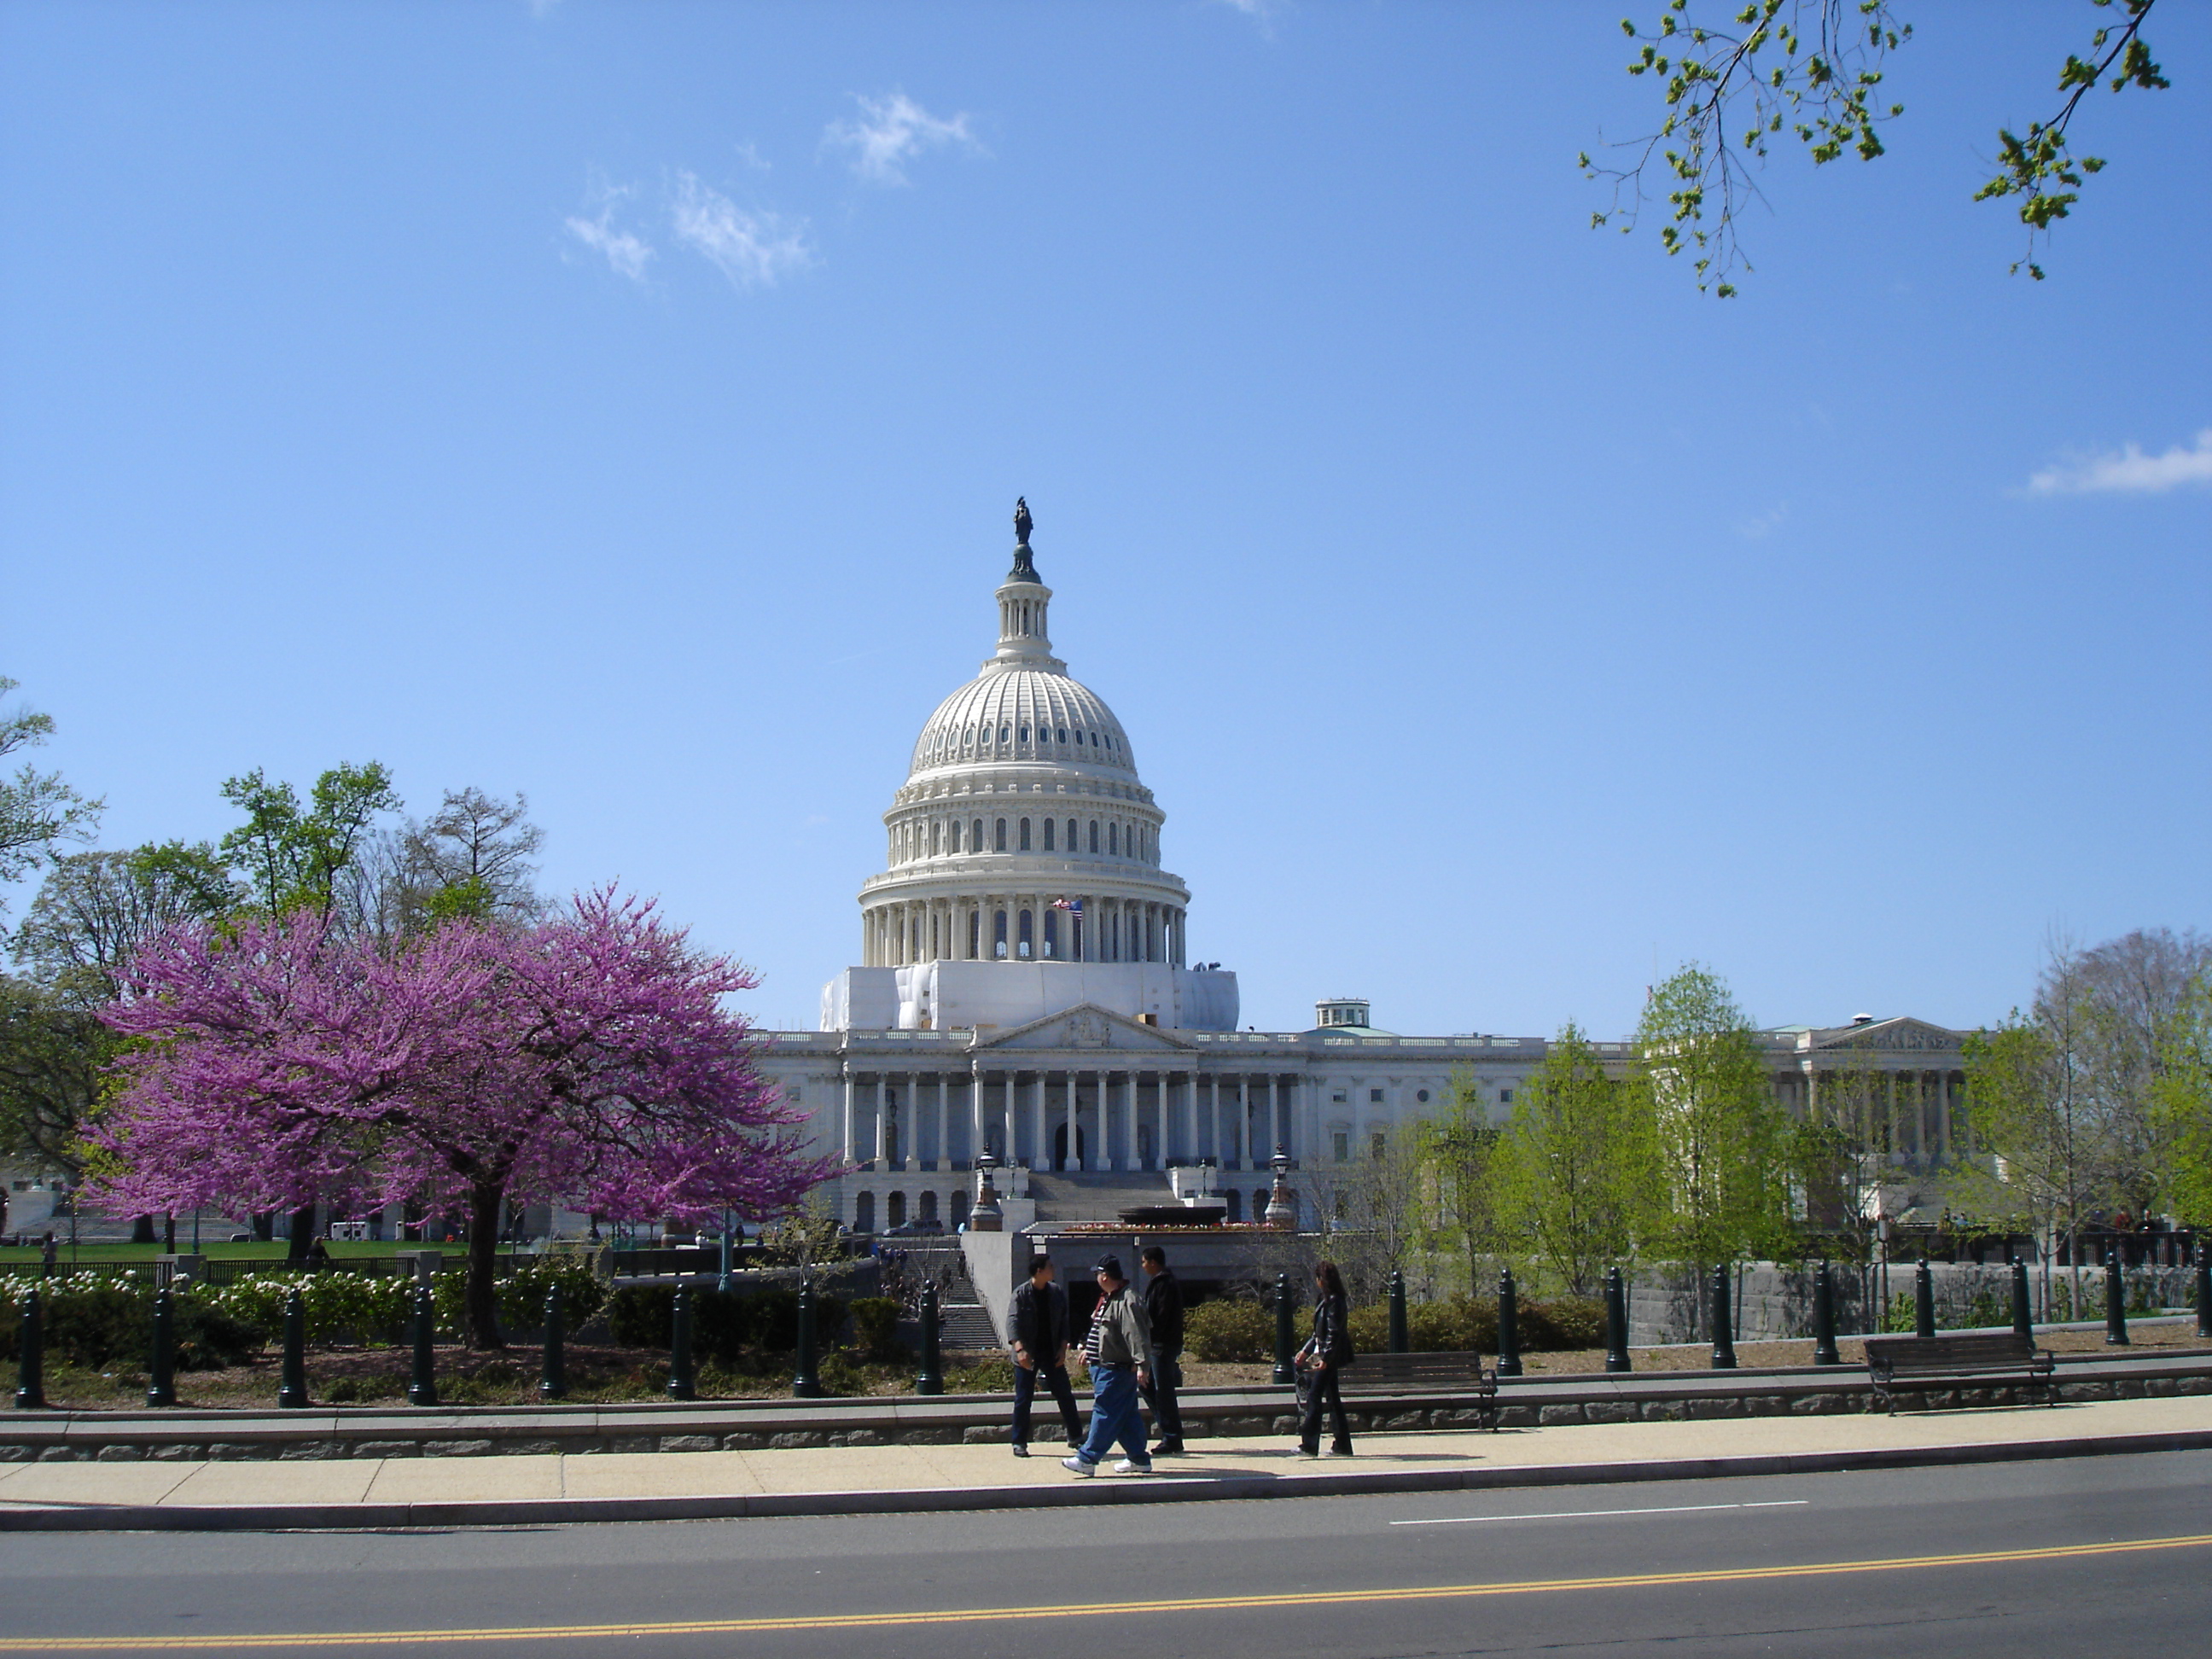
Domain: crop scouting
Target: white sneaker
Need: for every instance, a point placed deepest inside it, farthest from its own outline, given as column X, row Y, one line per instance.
column 1125, row 1467
column 1077, row 1466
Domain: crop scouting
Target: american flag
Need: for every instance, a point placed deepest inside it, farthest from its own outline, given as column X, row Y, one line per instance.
column 1075, row 905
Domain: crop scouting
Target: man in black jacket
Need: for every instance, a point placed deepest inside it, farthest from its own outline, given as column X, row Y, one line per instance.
column 1036, row 1329
column 1163, row 1311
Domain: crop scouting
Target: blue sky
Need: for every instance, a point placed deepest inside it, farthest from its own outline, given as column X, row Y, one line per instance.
column 625, row 403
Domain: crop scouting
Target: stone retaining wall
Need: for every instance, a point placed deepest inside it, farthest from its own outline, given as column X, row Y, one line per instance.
column 29, row 1438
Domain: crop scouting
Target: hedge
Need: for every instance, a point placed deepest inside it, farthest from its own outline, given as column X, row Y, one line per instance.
column 723, row 1324
column 1242, row 1331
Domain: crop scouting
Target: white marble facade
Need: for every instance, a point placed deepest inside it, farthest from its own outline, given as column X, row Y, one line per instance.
column 1024, row 987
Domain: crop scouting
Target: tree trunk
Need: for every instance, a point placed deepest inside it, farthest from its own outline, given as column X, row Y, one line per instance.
column 487, row 1203
column 303, row 1234
column 141, row 1229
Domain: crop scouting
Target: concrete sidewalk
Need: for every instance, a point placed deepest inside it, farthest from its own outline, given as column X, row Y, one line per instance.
column 406, row 1491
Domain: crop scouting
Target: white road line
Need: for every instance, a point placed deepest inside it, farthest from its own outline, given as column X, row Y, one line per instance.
column 1578, row 1515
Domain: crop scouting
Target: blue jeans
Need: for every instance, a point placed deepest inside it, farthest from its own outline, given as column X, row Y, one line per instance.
column 1115, row 1416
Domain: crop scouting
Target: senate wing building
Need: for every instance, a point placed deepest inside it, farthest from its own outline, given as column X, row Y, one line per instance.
column 1024, row 991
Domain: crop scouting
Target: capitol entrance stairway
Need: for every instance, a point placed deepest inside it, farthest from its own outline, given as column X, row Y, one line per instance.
column 1096, row 1195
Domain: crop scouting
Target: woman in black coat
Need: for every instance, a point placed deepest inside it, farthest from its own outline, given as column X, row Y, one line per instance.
column 1327, row 1352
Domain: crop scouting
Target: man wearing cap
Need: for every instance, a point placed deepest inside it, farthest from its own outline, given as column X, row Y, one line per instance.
column 1116, row 1349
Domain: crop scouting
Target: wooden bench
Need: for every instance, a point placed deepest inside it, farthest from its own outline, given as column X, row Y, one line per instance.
column 1411, row 1373
column 1895, row 1363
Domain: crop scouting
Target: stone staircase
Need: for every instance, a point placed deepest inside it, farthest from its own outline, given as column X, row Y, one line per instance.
column 1100, row 1195
column 961, row 1321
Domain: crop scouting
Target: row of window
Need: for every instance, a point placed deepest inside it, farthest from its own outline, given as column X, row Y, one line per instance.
column 937, row 837
column 946, row 742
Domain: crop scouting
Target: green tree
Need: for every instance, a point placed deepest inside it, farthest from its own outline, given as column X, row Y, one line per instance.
column 95, row 910
column 1459, row 1148
column 294, row 858
column 1723, row 1169
column 471, row 858
column 1578, row 1163
column 38, row 809
column 2183, row 1098
column 2033, row 1113
column 1732, row 82
column 52, row 1057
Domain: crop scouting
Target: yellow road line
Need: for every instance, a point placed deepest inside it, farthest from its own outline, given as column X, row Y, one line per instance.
column 393, row 1638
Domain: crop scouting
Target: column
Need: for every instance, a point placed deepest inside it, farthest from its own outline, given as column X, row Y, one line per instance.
column 883, row 1119
column 1190, row 1116
column 1074, row 1142
column 1280, row 1137
column 1040, row 1150
column 845, row 1120
column 1890, row 1078
column 944, row 1122
column 1131, row 1160
column 1944, row 1116
column 1243, row 1138
column 976, row 1138
column 1213, row 1117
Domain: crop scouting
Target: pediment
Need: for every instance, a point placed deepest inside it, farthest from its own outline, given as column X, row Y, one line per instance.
column 1889, row 1036
column 1088, row 1026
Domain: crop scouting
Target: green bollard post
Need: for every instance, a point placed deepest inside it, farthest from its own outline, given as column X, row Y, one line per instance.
column 1924, row 1300
column 31, row 1358
column 1286, row 1373
column 681, row 1383
column 1616, row 1322
column 2023, row 1320
column 422, row 1385
column 553, row 1369
column 805, row 1385
column 2203, row 1287
column 1824, row 1318
column 292, row 1386
column 931, row 1380
column 1724, row 1327
column 1508, row 1325
column 161, row 1372
column 2116, row 1302
column 1400, row 1343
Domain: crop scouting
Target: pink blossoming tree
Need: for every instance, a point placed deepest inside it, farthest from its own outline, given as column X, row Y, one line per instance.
column 586, row 1061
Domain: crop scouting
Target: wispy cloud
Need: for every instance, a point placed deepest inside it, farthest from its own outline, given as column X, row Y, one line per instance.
column 753, row 250
column 626, row 251
column 1759, row 526
column 890, row 132
column 1261, row 12
column 2130, row 471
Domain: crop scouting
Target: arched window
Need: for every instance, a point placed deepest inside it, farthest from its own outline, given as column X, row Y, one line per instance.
column 864, row 1213
column 1006, row 734
column 998, row 934
column 1114, row 840
column 1026, row 947
column 952, row 837
column 1047, row 835
column 1025, row 734
column 1071, row 835
column 976, row 836
column 1094, row 835
column 1052, row 934
column 1025, row 834
column 1233, row 1199
column 925, row 1209
column 937, row 837
column 1063, row 734
column 999, row 843
column 895, row 1209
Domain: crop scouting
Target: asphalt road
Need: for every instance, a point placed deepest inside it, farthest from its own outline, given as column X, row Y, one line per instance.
column 2080, row 1559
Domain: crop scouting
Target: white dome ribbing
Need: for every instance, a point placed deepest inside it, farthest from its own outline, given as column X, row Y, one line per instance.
column 1022, row 803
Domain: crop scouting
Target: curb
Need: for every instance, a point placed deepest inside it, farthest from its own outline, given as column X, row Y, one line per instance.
column 1172, row 1489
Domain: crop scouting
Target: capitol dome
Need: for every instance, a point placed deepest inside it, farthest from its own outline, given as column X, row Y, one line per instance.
column 1023, row 834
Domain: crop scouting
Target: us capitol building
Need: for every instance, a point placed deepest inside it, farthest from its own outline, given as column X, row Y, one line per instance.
column 1023, row 989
